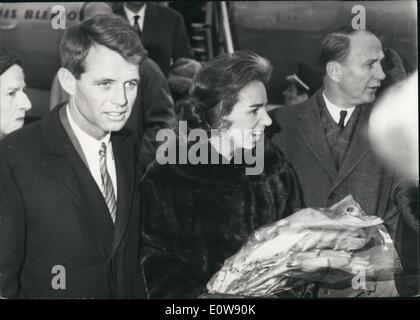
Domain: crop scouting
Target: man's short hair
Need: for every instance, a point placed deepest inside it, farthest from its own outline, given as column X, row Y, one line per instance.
column 108, row 30
column 336, row 46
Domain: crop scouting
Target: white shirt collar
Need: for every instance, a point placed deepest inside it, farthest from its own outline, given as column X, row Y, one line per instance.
column 130, row 15
column 90, row 147
column 334, row 110
column 82, row 136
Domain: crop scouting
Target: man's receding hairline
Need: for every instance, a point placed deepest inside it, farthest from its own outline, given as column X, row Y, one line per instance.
column 355, row 33
column 358, row 32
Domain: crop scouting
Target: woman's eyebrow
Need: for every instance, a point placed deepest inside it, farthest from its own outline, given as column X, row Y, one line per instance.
column 258, row 105
column 12, row 87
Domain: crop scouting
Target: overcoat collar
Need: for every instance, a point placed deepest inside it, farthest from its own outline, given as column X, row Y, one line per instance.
column 312, row 132
column 65, row 164
column 220, row 171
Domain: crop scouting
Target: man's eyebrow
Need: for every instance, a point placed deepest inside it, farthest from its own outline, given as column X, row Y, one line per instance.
column 374, row 60
column 104, row 80
column 113, row 80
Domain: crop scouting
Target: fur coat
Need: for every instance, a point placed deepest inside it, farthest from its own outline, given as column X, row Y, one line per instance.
column 196, row 216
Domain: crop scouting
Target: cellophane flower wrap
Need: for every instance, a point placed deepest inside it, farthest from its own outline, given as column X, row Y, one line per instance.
column 337, row 246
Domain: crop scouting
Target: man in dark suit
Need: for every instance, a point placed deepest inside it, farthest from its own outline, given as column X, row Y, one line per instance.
column 153, row 109
column 162, row 31
column 324, row 137
column 68, row 197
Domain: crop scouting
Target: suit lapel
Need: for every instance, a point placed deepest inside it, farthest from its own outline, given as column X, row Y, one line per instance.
column 59, row 160
column 66, row 125
column 358, row 148
column 124, row 165
column 150, row 24
column 66, row 166
column 313, row 134
column 60, row 169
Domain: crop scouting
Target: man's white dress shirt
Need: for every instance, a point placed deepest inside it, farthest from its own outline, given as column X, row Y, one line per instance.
column 130, row 15
column 334, row 110
column 91, row 147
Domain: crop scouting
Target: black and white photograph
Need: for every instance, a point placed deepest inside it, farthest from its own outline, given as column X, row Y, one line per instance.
column 227, row 151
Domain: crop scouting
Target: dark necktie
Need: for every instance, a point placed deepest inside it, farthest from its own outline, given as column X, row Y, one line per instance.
column 108, row 189
column 343, row 115
column 136, row 25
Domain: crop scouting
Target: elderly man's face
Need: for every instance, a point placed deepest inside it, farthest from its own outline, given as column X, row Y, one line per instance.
column 105, row 92
column 361, row 71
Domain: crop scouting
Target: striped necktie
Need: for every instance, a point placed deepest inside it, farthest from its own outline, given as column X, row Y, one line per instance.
column 107, row 188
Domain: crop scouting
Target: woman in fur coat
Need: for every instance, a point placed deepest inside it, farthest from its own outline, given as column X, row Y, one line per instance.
column 199, row 207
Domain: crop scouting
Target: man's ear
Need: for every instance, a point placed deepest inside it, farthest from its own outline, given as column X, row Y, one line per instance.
column 67, row 81
column 334, row 71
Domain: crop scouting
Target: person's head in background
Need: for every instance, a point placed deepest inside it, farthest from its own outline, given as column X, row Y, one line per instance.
column 91, row 9
column 301, row 85
column 350, row 62
column 134, row 6
column 100, row 60
column 228, row 93
column 13, row 100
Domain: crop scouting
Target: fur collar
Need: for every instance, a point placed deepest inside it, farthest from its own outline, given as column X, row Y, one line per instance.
column 218, row 174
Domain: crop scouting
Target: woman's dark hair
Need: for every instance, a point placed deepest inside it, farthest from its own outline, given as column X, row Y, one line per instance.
column 215, row 88
column 108, row 30
column 8, row 59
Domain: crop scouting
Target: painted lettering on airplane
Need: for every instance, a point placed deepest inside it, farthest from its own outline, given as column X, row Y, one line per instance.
column 30, row 14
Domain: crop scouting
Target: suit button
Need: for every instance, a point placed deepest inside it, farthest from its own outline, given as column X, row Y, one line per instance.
column 331, row 196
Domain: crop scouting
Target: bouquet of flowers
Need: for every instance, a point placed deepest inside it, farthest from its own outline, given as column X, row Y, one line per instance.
column 313, row 245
